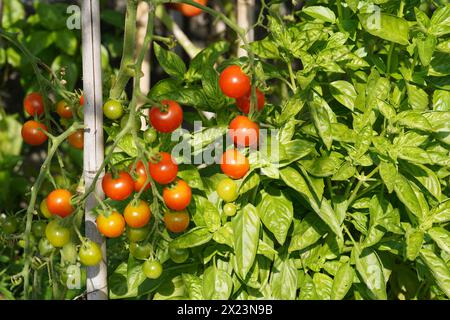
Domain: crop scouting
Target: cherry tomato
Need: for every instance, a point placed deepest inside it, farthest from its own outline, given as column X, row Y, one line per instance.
column 59, row 202
column 111, row 226
column 150, row 135
column 191, row 11
column 137, row 234
column 177, row 221
column 81, row 100
column 57, row 235
column 227, row 190
column 34, row 104
column 166, row 120
column 33, row 133
column 90, row 253
column 244, row 132
column 38, row 228
column 165, row 170
column 64, row 110
column 76, row 139
column 243, row 103
column 178, row 255
column 140, row 251
column 233, row 82
column 178, row 196
column 137, row 215
column 44, row 209
column 229, row 209
column 141, row 178
column 119, row 188
column 152, row 269
column 234, row 164
column 9, row 225
column 113, row 109
column 45, row 247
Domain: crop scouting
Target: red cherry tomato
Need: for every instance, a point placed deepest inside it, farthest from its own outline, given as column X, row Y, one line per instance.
column 178, row 196
column 141, row 177
column 76, row 139
column 169, row 120
column 244, row 131
column 191, row 11
column 165, row 170
column 119, row 188
column 112, row 226
column 234, row 164
column 176, row 221
column 233, row 82
column 63, row 110
column 81, row 100
column 243, row 103
column 34, row 104
column 59, row 202
column 33, row 132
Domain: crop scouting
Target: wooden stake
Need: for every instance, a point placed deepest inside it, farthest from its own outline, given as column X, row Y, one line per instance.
column 97, row 286
column 245, row 20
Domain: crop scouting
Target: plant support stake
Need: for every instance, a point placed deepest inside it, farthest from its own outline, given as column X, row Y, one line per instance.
column 96, row 285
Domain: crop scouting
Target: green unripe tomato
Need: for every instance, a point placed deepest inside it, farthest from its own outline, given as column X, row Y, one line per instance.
column 178, row 255
column 57, row 234
column 140, row 251
column 229, row 209
column 38, row 228
column 137, row 234
column 22, row 243
column 227, row 190
column 90, row 253
column 150, row 135
column 45, row 247
column 69, row 253
column 113, row 110
column 44, row 209
column 152, row 269
column 9, row 225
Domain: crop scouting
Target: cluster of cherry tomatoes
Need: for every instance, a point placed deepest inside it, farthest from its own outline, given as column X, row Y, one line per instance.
column 34, row 132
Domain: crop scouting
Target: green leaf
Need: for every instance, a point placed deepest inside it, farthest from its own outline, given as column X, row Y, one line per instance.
column 276, row 213
column 441, row 100
column 225, row 235
column 370, row 269
column 170, row 62
column 414, row 240
column 344, row 92
column 376, row 212
column 217, row 284
column 440, row 21
column 190, row 174
column 438, row 268
column 193, row 286
column 206, row 57
column 310, row 230
column 426, row 177
column 426, row 48
column 342, row 282
column 407, row 196
column 210, row 83
column 246, row 227
column 37, row 41
column 294, row 180
column 112, row 17
column 52, row 15
column 322, row 119
column 204, row 207
column 265, row 49
column 283, row 281
column 441, row 236
column 321, row 13
column 307, row 289
column 388, row 174
column 193, row 238
column 417, row 98
column 13, row 12
column 413, row 120
column 67, row 41
column 441, row 213
column 250, row 182
column 323, row 285
column 173, row 289
column 385, row 26
column 422, row 19
column 324, row 166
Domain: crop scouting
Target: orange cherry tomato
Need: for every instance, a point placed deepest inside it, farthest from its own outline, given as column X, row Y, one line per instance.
column 244, row 131
column 64, row 110
column 191, row 11
column 178, row 196
column 141, row 177
column 112, row 226
column 177, row 221
column 59, row 202
column 234, row 164
column 119, row 188
column 76, row 139
column 137, row 215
